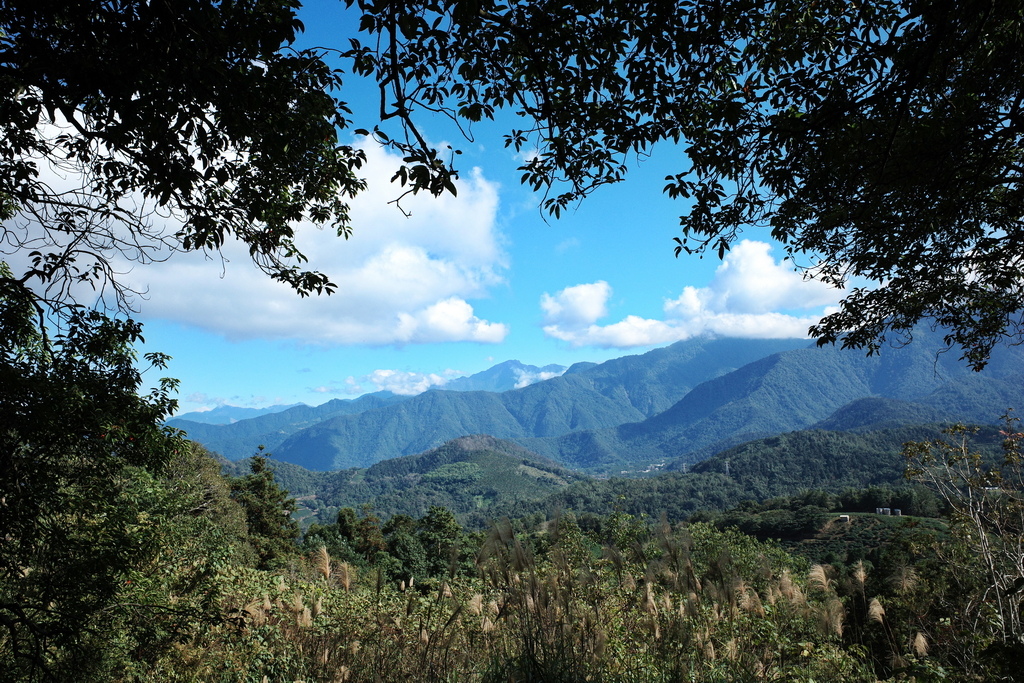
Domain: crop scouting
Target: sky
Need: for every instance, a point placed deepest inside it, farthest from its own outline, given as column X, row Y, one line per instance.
column 461, row 284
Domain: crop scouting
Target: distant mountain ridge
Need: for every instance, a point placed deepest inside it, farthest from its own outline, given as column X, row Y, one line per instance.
column 671, row 406
column 793, row 390
column 627, row 389
column 225, row 414
column 502, row 377
column 241, row 439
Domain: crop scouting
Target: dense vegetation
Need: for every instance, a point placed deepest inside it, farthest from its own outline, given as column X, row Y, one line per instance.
column 224, row 592
column 127, row 556
column 471, row 476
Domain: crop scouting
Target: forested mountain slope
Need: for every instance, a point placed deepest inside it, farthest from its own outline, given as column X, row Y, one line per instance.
column 794, row 390
column 785, row 464
column 671, row 406
column 470, row 476
column 241, row 439
column 587, row 396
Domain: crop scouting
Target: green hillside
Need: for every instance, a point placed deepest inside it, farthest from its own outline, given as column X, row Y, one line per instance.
column 879, row 413
column 780, row 465
column 469, row 476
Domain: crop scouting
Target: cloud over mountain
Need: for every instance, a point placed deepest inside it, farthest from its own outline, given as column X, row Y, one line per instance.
column 402, row 382
column 751, row 296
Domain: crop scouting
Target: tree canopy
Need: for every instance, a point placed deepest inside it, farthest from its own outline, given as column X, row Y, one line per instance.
column 132, row 130
column 879, row 142
column 136, row 129
column 74, row 435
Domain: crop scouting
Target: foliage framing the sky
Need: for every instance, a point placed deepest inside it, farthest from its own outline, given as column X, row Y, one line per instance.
column 877, row 141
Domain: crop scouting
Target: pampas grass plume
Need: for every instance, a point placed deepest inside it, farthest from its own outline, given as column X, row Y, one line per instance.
column 920, row 645
column 476, row 604
column 818, row 578
column 860, row 575
column 322, row 562
column 346, row 575
column 876, row 612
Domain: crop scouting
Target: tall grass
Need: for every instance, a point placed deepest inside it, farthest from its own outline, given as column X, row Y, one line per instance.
column 691, row 605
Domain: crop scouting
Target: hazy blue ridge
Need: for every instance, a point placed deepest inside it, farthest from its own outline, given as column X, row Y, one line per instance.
column 222, row 415
column 502, row 377
column 241, row 439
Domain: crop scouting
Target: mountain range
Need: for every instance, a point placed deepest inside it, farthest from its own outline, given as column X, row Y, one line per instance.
column 667, row 408
column 502, row 377
column 236, row 438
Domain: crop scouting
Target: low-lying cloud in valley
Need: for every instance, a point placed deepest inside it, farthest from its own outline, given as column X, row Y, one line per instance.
column 525, row 378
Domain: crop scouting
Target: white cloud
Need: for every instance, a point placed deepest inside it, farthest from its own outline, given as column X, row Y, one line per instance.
column 578, row 305
column 400, row 382
column 408, row 383
column 198, row 402
column 525, row 378
column 747, row 297
column 749, row 281
column 400, row 280
column 567, row 244
column 527, row 156
column 207, row 402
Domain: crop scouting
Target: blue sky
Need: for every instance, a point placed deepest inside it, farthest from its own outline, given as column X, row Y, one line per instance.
column 464, row 283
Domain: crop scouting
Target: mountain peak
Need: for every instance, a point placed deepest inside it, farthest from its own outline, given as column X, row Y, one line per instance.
column 510, row 374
